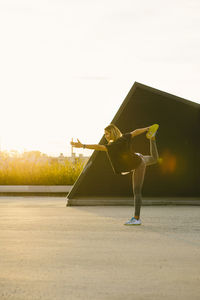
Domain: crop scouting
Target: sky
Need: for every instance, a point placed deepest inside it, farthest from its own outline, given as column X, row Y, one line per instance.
column 67, row 65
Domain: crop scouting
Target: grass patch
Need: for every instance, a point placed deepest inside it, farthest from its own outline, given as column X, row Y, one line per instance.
column 38, row 170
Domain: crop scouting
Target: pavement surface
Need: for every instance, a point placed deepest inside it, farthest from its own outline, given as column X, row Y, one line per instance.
column 50, row 251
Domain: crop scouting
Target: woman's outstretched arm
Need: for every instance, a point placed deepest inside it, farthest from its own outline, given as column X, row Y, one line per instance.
column 139, row 131
column 93, row 147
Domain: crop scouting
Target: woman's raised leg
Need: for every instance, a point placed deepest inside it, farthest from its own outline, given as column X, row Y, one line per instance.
column 153, row 158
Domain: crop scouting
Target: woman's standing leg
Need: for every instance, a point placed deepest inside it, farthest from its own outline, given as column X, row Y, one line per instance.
column 138, row 179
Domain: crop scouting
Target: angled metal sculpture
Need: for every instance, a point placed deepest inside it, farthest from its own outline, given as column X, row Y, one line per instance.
column 178, row 141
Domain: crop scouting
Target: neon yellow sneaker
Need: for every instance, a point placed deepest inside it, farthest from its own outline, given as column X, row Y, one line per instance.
column 152, row 131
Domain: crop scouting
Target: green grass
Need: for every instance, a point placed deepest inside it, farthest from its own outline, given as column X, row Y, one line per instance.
column 24, row 171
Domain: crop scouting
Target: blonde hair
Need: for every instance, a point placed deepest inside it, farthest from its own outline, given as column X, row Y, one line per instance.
column 115, row 133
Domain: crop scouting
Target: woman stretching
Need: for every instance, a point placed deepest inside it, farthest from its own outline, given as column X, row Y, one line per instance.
column 123, row 160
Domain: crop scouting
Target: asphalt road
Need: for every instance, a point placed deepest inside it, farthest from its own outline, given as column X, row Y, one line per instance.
column 50, row 251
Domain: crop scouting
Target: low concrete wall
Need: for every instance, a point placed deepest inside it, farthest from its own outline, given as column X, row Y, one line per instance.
column 35, row 188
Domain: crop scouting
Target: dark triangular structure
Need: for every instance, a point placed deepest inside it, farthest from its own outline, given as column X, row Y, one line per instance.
column 178, row 141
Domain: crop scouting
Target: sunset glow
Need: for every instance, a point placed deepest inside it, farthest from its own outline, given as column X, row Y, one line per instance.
column 66, row 66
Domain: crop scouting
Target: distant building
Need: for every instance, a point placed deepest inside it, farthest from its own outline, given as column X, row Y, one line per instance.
column 37, row 157
column 61, row 159
column 74, row 158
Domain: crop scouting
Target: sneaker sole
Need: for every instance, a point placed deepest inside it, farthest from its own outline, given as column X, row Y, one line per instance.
column 132, row 224
column 153, row 130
